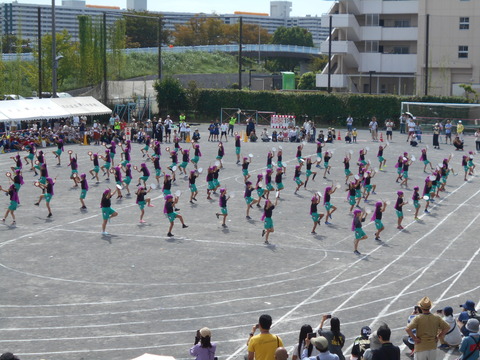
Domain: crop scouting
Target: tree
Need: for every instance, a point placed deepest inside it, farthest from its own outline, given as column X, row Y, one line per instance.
column 143, row 32
column 200, row 30
column 289, row 36
column 171, row 95
column 307, row 81
column 318, row 63
column 91, row 48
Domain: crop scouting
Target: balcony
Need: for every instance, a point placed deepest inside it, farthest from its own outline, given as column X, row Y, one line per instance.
column 389, row 7
column 336, row 81
column 388, row 63
column 347, row 22
column 346, row 48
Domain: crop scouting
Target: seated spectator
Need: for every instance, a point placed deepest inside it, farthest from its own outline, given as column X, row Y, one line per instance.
column 407, row 340
column 196, row 136
column 264, row 136
column 297, row 352
column 375, row 344
column 471, row 343
column 203, row 349
column 335, row 338
column 8, row 356
column 458, row 143
column 274, row 136
column 292, row 135
column 348, row 137
column 454, row 336
column 253, row 137
column 321, row 137
column 361, row 343
column 468, row 312
column 388, row 351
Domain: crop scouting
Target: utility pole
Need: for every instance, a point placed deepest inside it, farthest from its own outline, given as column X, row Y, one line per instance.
column 240, row 40
column 54, row 53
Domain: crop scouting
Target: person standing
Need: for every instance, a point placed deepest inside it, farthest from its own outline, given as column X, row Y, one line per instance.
column 374, row 128
column 460, row 129
column 428, row 329
column 335, row 338
column 203, row 348
column 349, row 123
column 448, row 132
column 389, row 124
column 403, row 120
column 388, row 351
column 231, row 124
column 263, row 345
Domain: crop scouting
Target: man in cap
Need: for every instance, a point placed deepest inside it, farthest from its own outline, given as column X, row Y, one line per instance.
column 388, row 351
column 428, row 328
column 460, row 129
column 321, row 344
column 470, row 346
column 361, row 343
column 263, row 345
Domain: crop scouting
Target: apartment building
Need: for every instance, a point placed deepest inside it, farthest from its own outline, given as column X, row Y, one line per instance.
column 21, row 19
column 380, row 46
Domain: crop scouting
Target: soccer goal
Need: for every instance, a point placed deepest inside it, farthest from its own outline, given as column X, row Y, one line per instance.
column 261, row 117
column 427, row 114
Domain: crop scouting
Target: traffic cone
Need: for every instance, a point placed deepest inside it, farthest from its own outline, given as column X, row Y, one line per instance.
column 339, row 137
column 381, row 137
column 188, row 138
column 85, row 141
column 245, row 137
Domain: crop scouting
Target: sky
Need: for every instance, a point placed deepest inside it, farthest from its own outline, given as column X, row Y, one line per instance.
column 299, row 7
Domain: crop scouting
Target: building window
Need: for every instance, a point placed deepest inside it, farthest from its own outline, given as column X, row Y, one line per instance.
column 372, row 19
column 464, row 23
column 371, row 46
column 401, row 50
column 402, row 23
column 463, row 52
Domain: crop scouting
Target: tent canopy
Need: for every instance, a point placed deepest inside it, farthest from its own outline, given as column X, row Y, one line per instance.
column 54, row 108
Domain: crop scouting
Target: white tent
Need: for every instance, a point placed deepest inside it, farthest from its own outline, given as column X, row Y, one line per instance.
column 43, row 109
column 85, row 105
column 148, row 356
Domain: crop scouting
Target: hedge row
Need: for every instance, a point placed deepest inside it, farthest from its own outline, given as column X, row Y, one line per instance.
column 324, row 108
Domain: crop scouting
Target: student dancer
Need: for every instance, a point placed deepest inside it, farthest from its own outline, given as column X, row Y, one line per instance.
column 185, row 161
column 169, row 210
column 270, row 155
column 382, row 161
column 167, row 185
column 48, row 194
column 210, row 183
column 246, row 162
column 319, row 154
column 367, row 185
column 358, row 218
column 106, row 166
column 17, row 179
column 157, row 167
column 328, row 205
column 196, row 155
column 299, row 154
column 471, row 165
column 82, row 180
column 346, row 165
column 268, row 182
column 361, row 157
column 222, row 202
column 358, row 191
column 426, row 162
column 216, row 174
column 126, row 154
column 260, row 189
column 145, row 149
column 176, row 143
column 157, row 149
column 107, row 211
column 309, row 172
column 278, row 180
column 351, row 194
column 280, row 161
column 377, row 217
column 191, row 184
column 267, row 219
column 173, row 165
column 427, row 190
column 117, row 171
column 14, row 201
column 237, row 147
column 416, row 201
column 128, row 177
column 406, row 165
column 399, row 167
column 40, row 160
column 74, row 167
column 248, row 198
column 220, row 154
column 58, row 152
column 326, row 160
column 142, row 201
column 316, row 217
column 145, row 174
column 113, row 151
column 399, row 209
column 18, row 162
column 43, row 175
column 31, row 155
column 296, row 177
column 465, row 166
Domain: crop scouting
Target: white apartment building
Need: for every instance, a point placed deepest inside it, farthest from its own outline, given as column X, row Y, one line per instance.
column 379, row 46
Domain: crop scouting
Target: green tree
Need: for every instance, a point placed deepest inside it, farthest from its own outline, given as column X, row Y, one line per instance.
column 91, row 49
column 117, row 40
column 143, row 32
column 307, row 81
column 200, row 30
column 318, row 63
column 171, row 95
column 289, row 36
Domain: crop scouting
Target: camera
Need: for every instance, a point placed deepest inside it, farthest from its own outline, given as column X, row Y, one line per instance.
column 311, row 335
column 329, row 316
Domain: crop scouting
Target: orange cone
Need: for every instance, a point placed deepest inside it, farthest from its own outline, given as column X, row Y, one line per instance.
column 85, row 141
column 245, row 137
column 339, row 137
column 381, row 137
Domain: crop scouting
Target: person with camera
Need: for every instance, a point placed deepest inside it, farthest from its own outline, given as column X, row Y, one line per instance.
column 321, row 344
column 263, row 345
column 335, row 338
column 203, row 348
